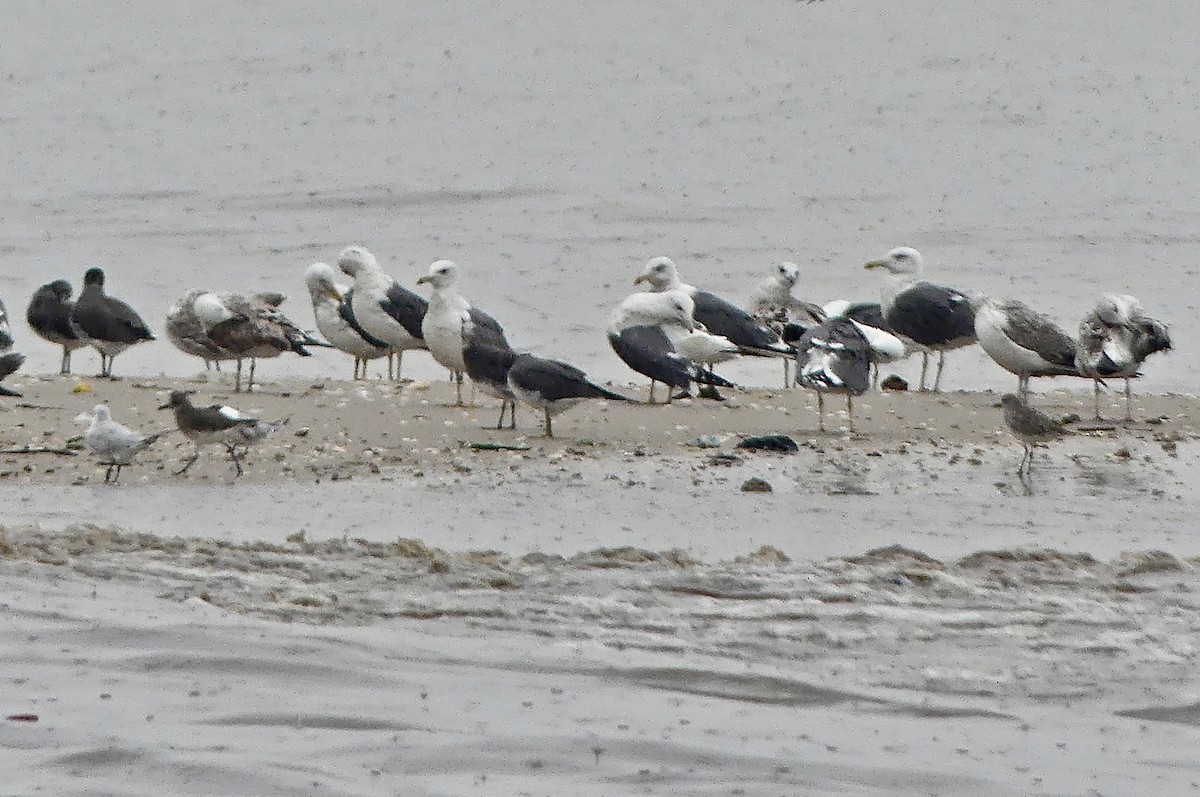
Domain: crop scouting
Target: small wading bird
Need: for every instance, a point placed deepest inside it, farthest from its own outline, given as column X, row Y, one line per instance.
column 106, row 323
column 217, row 425
column 113, row 444
column 928, row 317
column 1114, row 340
column 1029, row 425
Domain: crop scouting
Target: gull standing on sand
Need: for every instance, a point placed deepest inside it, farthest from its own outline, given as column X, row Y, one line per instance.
column 106, row 323
column 250, row 329
column 773, row 305
column 929, row 317
column 487, row 358
column 552, row 386
column 868, row 317
column 385, row 310
column 217, row 425
column 643, row 330
column 113, row 444
column 834, row 357
column 336, row 320
column 1029, row 425
column 450, row 319
column 1023, row 341
column 49, row 316
column 6, row 338
column 1115, row 338
column 188, row 333
column 9, row 363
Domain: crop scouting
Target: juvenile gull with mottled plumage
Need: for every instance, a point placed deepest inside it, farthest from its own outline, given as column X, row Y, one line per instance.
column 1023, row 342
column 49, row 316
column 217, row 425
column 1115, row 338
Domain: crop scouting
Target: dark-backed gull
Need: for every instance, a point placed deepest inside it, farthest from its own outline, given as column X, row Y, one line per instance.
column 486, row 359
column 9, row 363
column 334, row 314
column 1115, row 338
column 1023, row 342
column 217, row 425
column 834, row 357
column 929, row 317
column 553, row 386
column 49, row 316
column 106, row 323
column 385, row 310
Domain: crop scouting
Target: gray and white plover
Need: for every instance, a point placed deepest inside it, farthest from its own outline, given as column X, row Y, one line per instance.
column 386, row 310
column 106, row 323
column 217, row 425
column 1029, row 425
column 928, row 317
column 1115, row 338
column 113, row 444
column 49, row 316
column 553, row 386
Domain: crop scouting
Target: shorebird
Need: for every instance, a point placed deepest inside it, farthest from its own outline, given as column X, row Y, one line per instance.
column 487, row 358
column 250, row 329
column 885, row 346
column 1029, row 425
column 834, row 357
column 106, row 323
column 643, row 332
column 774, row 307
column 9, row 363
column 450, row 318
column 335, row 318
column 217, row 425
column 188, row 333
column 49, row 316
column 1023, row 342
column 552, row 386
column 928, row 317
column 385, row 310
column 115, row 445
column 1115, row 338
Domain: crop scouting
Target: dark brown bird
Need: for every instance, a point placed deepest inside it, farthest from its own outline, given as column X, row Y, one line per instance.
column 1029, row 425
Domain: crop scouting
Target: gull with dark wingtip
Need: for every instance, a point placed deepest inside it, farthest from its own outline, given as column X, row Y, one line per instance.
column 1115, row 338
column 334, row 313
column 217, row 425
column 106, row 323
column 1023, row 342
column 553, row 386
column 386, row 311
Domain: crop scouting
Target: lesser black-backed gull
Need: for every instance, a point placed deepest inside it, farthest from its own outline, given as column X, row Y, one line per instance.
column 450, row 318
column 553, row 386
column 217, row 425
column 113, row 444
column 886, row 347
column 249, row 328
column 487, row 358
column 109, row 325
column 640, row 331
column 834, row 357
column 336, row 321
column 1029, row 425
column 385, row 310
column 9, row 363
column 1023, row 342
column 929, row 317
column 1115, row 338
column 49, row 316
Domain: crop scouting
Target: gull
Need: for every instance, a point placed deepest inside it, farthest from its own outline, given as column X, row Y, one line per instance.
column 188, row 333
column 6, row 338
column 335, row 318
column 1115, row 338
column 1023, row 342
column 868, row 317
column 834, row 357
column 928, row 317
column 106, row 323
column 487, row 358
column 553, row 386
column 386, row 311
column 1029, row 425
column 115, row 445
column 9, row 363
column 450, row 319
column 49, row 316
column 217, row 425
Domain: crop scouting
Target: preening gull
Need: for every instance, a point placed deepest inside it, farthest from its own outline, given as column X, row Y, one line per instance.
column 249, row 328
column 106, row 323
column 553, row 386
column 49, row 316
column 188, row 333
column 642, row 331
column 1029, row 425
column 773, row 306
column 868, row 316
column 929, row 317
column 719, row 317
column 217, row 425
column 450, row 319
column 834, row 357
column 1023, row 342
column 335, row 318
column 487, row 358
column 6, row 338
column 113, row 444
column 1115, row 338
column 9, row 363
column 385, row 310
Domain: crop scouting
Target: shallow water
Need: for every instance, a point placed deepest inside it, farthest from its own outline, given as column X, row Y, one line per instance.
column 1028, row 151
